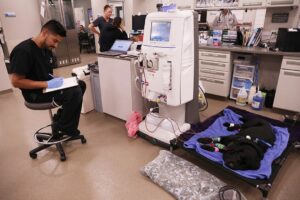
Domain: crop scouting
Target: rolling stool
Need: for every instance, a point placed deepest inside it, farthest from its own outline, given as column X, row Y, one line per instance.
column 46, row 140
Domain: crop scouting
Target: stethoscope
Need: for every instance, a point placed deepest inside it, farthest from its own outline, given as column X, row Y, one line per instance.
column 229, row 18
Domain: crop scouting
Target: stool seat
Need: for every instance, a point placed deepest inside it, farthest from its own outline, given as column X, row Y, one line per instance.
column 41, row 106
column 46, row 139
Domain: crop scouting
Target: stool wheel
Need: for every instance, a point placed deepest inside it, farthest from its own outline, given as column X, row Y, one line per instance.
column 33, row 155
column 83, row 141
column 63, row 158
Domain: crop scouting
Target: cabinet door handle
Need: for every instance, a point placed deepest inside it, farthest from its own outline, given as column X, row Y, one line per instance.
column 211, row 80
column 293, row 63
column 210, row 72
column 253, row 4
column 292, row 74
column 211, row 63
column 281, row 2
column 214, row 55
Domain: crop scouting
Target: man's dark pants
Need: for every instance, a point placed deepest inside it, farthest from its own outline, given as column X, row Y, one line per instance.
column 71, row 101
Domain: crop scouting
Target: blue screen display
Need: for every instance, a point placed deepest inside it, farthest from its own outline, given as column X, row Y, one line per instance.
column 160, row 31
column 121, row 45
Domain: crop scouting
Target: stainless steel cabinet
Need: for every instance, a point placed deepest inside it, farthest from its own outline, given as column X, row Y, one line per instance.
column 67, row 51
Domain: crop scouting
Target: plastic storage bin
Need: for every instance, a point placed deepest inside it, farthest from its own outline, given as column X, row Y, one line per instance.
column 96, row 91
column 83, row 74
column 243, row 76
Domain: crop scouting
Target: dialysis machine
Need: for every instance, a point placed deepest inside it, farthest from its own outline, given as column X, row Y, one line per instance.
column 166, row 74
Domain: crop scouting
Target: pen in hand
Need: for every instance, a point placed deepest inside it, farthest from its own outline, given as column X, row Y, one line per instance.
column 55, row 82
column 51, row 75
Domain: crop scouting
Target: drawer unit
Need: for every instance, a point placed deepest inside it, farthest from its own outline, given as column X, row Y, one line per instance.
column 215, row 71
column 207, row 64
column 288, row 91
column 291, row 64
column 214, row 74
column 215, row 86
column 217, row 56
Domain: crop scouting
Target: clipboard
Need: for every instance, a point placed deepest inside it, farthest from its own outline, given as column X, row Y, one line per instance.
column 68, row 82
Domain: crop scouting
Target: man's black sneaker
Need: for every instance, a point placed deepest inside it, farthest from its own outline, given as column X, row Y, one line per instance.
column 74, row 133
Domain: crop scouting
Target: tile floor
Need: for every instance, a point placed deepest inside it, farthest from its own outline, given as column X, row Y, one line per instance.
column 105, row 168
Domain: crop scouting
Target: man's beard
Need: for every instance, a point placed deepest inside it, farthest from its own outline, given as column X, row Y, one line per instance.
column 45, row 46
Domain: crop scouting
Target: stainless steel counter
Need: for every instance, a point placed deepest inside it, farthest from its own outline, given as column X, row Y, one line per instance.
column 252, row 50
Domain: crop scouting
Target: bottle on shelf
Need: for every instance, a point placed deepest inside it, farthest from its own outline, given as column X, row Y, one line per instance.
column 251, row 94
column 241, row 99
column 257, row 102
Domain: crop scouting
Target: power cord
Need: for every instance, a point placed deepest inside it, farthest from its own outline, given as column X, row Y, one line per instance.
column 205, row 100
column 236, row 193
column 160, row 122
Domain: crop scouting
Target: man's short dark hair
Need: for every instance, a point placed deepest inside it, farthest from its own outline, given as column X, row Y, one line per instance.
column 55, row 27
column 106, row 7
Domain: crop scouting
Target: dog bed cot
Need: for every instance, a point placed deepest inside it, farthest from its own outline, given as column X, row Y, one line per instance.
column 273, row 159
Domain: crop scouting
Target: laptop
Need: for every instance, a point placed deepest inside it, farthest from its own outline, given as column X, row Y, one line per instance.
column 119, row 47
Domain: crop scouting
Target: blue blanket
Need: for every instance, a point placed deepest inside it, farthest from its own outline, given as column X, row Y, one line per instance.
column 217, row 129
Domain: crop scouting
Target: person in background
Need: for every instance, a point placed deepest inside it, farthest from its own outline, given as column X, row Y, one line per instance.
column 32, row 65
column 82, row 29
column 225, row 20
column 113, row 32
column 101, row 23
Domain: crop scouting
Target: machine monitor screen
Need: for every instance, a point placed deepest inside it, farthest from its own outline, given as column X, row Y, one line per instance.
column 121, row 45
column 160, row 31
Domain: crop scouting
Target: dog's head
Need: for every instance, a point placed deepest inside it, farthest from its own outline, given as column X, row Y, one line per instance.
column 242, row 157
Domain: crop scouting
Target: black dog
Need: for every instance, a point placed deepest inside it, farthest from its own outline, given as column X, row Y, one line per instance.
column 244, row 150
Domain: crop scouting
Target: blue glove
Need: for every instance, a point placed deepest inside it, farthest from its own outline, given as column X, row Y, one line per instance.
column 55, row 82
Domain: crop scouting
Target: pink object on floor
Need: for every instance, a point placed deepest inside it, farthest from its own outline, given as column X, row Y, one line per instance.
column 132, row 124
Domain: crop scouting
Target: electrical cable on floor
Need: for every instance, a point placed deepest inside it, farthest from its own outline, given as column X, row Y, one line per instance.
column 227, row 188
column 206, row 102
column 235, row 195
column 157, row 126
column 160, row 122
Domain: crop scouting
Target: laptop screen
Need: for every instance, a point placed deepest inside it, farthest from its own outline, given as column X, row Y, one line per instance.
column 121, row 45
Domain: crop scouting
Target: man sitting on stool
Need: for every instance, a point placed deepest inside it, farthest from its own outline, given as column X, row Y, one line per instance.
column 32, row 65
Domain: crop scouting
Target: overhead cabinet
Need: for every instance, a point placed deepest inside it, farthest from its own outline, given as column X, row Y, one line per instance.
column 282, row 2
column 187, row 4
column 252, row 3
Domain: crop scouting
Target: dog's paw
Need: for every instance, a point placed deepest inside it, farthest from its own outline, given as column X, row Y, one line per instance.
column 226, row 124
column 208, row 148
